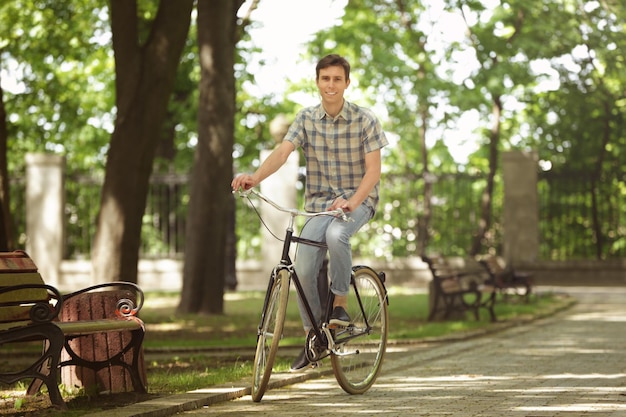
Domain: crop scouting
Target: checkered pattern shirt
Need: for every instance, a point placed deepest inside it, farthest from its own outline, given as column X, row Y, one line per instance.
column 334, row 150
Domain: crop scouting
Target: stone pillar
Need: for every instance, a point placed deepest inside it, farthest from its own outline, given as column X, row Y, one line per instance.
column 521, row 207
column 45, row 206
column 280, row 187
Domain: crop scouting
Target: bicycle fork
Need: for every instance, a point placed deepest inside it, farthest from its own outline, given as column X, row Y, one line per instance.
column 266, row 302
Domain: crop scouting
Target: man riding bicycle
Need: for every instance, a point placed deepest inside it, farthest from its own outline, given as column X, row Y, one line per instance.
column 341, row 143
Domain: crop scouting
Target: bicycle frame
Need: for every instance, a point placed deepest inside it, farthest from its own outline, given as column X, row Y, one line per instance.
column 286, row 263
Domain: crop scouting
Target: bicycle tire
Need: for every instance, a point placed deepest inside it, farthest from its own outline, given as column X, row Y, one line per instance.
column 358, row 361
column 270, row 334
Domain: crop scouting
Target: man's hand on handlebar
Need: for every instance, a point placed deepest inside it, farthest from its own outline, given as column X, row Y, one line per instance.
column 341, row 213
column 243, row 182
column 341, row 203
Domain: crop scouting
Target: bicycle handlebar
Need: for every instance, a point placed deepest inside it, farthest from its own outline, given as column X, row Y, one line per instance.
column 293, row 212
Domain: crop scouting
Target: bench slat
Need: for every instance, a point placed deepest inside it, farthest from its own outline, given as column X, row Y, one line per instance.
column 16, row 261
column 77, row 328
column 16, row 304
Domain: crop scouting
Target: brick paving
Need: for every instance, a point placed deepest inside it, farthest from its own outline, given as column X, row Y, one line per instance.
column 572, row 364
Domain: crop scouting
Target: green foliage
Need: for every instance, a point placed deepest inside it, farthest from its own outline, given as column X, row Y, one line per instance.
column 557, row 68
column 512, row 52
column 59, row 54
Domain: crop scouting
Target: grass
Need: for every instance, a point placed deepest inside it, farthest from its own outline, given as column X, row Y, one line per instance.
column 184, row 353
column 236, row 330
column 408, row 313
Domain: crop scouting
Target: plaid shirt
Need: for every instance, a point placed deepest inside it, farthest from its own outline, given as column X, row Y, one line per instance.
column 334, row 150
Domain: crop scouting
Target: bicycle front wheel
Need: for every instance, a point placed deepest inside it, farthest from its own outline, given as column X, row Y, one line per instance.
column 358, row 360
column 269, row 333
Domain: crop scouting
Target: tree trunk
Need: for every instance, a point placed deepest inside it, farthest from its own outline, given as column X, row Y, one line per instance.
column 144, row 82
column 423, row 73
column 596, row 180
column 486, row 202
column 423, row 220
column 210, row 196
column 6, row 220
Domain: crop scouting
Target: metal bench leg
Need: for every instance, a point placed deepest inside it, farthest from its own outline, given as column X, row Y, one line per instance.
column 132, row 367
column 46, row 369
column 135, row 373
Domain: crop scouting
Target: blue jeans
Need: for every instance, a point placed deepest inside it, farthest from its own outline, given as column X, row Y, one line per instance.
column 336, row 234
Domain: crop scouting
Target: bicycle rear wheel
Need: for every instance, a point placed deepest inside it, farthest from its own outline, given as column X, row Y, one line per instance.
column 269, row 334
column 362, row 345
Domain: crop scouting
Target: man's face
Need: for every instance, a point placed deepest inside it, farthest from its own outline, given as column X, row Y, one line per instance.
column 331, row 84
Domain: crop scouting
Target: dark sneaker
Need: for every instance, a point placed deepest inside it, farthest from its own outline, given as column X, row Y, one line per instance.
column 301, row 363
column 339, row 317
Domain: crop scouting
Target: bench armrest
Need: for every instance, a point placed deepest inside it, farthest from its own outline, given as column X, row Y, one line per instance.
column 125, row 307
column 44, row 308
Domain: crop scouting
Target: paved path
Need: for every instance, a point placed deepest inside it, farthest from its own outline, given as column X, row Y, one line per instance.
column 569, row 365
column 573, row 364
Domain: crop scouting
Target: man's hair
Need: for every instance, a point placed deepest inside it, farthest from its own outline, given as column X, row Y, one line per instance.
column 331, row 61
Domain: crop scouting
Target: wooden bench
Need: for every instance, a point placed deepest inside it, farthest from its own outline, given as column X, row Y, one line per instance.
column 31, row 310
column 508, row 281
column 459, row 286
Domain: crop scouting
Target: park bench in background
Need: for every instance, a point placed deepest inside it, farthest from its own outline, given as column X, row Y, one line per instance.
column 459, row 286
column 74, row 331
column 508, row 281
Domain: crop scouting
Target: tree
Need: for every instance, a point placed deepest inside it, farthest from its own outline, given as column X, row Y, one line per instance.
column 145, row 69
column 6, row 220
column 577, row 126
column 495, row 70
column 54, row 56
column 504, row 40
column 211, row 202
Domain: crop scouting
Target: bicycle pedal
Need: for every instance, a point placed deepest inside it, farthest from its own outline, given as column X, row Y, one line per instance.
column 336, row 326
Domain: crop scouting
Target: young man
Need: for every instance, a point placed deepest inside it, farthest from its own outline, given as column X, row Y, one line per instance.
column 341, row 143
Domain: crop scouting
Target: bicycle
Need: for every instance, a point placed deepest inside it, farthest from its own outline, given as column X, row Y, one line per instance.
column 356, row 351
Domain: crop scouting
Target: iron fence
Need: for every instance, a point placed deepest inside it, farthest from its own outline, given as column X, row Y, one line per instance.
column 581, row 217
column 454, row 216
column 578, row 219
